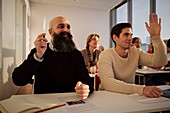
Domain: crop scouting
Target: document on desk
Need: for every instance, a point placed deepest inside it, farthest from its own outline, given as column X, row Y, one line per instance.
column 66, row 98
column 147, row 100
column 146, row 70
column 166, row 90
column 80, row 107
column 75, row 105
column 164, row 87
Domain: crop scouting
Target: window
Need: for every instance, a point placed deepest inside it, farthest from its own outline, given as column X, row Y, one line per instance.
column 122, row 14
column 140, row 12
column 162, row 8
column 140, row 16
column 117, row 15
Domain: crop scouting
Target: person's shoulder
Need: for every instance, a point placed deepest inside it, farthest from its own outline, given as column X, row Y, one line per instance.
column 83, row 50
column 76, row 54
column 133, row 50
column 107, row 55
column 76, row 51
column 110, row 51
column 98, row 51
column 33, row 50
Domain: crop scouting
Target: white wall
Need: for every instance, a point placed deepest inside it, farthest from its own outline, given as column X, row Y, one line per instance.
column 11, row 44
column 7, row 88
column 83, row 22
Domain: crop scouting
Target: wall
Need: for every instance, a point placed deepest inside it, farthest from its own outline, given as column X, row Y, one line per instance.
column 11, row 44
column 83, row 22
column 8, row 48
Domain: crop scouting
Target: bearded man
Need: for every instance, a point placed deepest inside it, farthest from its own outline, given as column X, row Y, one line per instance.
column 58, row 66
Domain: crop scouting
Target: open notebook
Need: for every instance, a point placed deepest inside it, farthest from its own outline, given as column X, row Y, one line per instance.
column 29, row 104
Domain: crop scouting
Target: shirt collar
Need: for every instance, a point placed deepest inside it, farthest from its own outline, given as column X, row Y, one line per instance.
column 51, row 46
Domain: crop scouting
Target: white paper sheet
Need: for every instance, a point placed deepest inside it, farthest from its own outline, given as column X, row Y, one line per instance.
column 147, row 100
column 80, row 107
column 164, row 87
column 76, row 108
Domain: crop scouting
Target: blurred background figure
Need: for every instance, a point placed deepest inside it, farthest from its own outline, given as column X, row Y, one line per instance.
column 136, row 42
column 91, row 54
column 168, row 46
column 101, row 48
column 150, row 48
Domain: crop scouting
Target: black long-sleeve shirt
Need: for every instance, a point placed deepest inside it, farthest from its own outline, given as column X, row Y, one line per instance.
column 57, row 73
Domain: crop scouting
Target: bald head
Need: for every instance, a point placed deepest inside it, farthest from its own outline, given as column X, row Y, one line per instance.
column 61, row 38
column 57, row 20
column 59, row 24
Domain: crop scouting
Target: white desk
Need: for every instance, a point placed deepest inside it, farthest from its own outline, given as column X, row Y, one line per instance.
column 149, row 71
column 111, row 102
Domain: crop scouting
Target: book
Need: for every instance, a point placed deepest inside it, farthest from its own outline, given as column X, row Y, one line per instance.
column 29, row 104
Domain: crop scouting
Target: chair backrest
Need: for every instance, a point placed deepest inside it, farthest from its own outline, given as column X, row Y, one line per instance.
column 27, row 89
column 33, row 78
column 97, row 82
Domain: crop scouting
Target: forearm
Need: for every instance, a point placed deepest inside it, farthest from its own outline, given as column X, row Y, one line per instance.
column 158, row 58
column 109, row 83
column 160, row 52
column 85, row 79
column 82, row 72
column 22, row 75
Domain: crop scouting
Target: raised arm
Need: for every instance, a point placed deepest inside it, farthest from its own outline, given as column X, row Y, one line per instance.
column 22, row 74
column 159, row 57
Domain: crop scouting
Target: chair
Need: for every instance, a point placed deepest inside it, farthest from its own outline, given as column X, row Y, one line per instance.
column 27, row 89
column 97, row 82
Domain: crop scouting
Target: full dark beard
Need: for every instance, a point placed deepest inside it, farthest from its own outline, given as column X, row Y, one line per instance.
column 62, row 43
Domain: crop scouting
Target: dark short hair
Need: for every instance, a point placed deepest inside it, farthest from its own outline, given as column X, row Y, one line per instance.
column 168, row 43
column 117, row 29
column 134, row 39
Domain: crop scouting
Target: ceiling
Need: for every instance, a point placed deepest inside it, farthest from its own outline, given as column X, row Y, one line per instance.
column 95, row 4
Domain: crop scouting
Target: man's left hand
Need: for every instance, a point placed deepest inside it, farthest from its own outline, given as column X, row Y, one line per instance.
column 82, row 90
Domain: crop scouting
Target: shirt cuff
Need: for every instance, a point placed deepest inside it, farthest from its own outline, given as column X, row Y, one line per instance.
column 39, row 60
column 138, row 89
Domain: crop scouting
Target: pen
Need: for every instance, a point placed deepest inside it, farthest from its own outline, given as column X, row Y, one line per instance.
column 49, row 108
column 44, row 25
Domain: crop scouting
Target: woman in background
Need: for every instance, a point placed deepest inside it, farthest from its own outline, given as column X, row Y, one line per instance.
column 91, row 54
